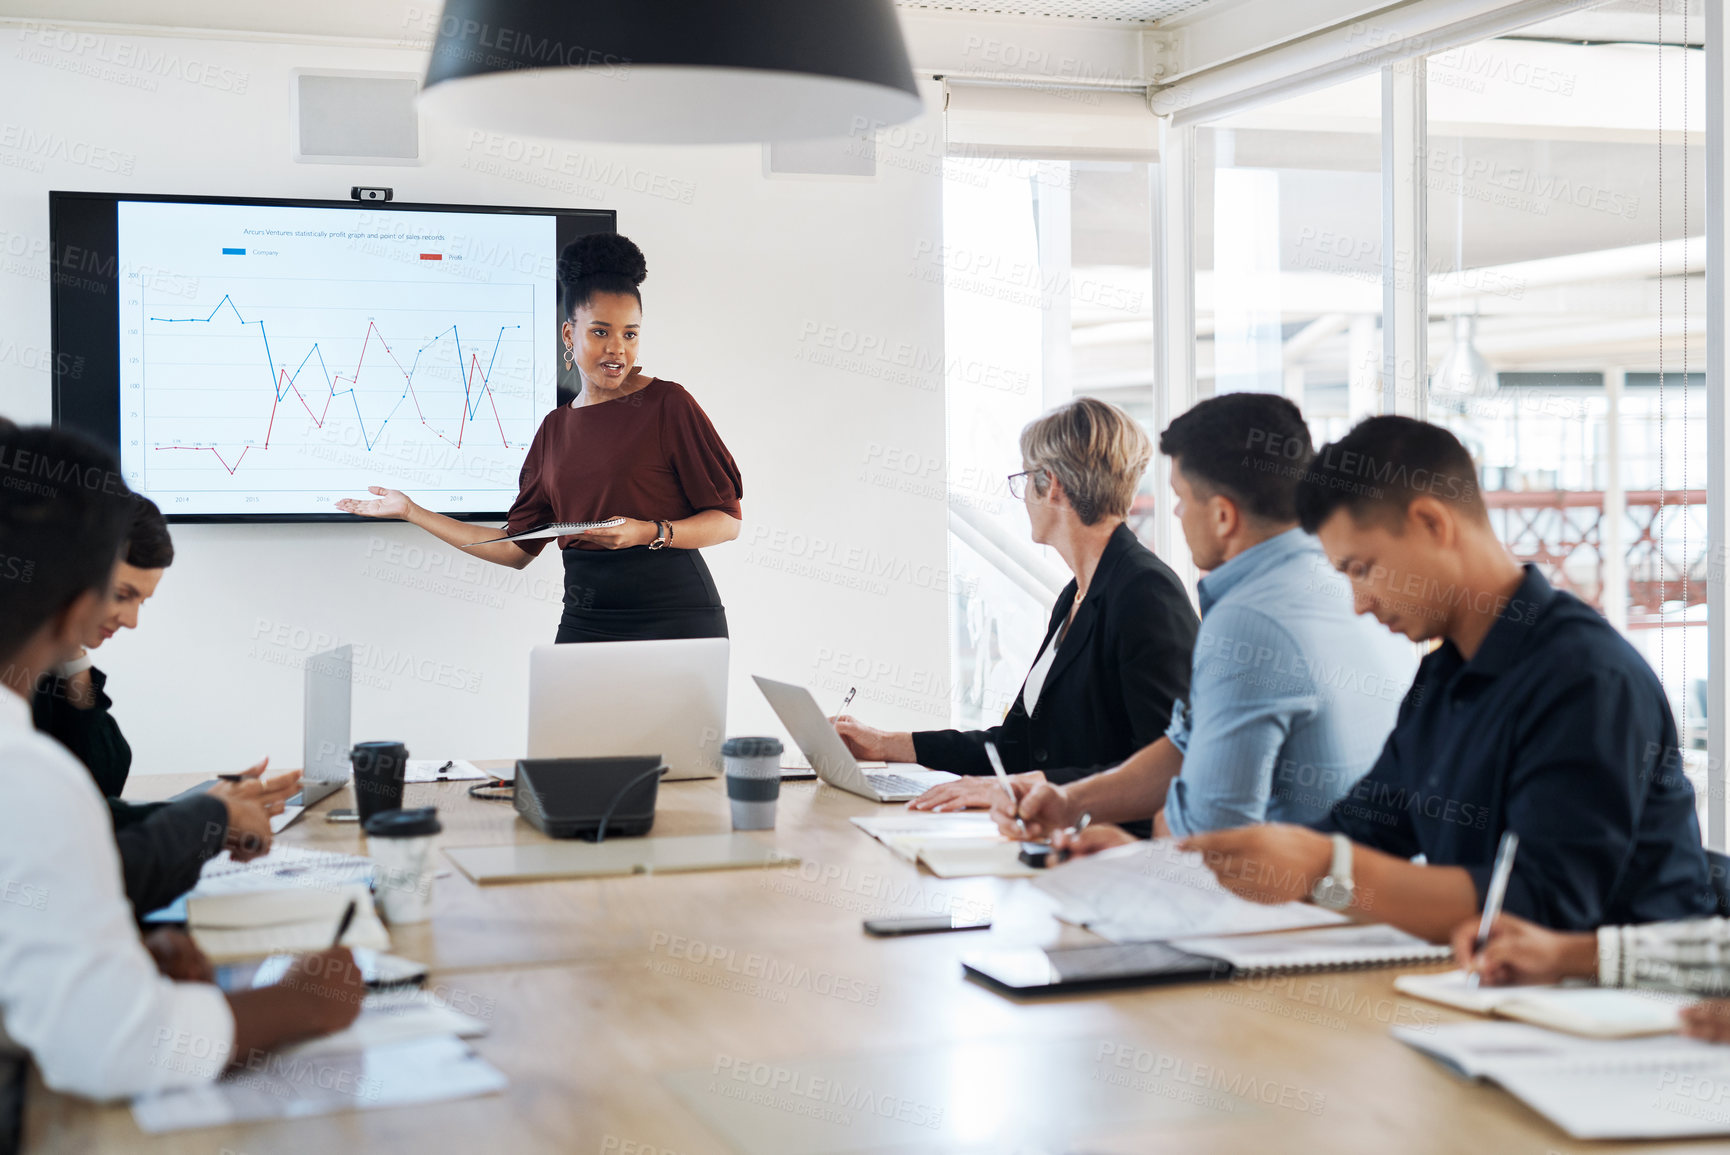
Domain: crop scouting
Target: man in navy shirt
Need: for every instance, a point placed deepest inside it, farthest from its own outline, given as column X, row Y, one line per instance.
column 1532, row 715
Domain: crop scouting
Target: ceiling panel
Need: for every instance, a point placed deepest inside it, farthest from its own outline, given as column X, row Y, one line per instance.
column 1116, row 11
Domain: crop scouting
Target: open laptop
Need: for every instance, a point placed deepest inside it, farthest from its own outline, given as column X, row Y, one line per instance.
column 829, row 756
column 602, row 699
column 329, row 696
column 329, row 703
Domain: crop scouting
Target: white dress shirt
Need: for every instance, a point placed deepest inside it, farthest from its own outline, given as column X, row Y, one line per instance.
column 1035, row 684
column 77, row 988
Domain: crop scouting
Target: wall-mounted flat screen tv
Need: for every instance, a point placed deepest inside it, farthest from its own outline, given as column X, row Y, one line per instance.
column 261, row 359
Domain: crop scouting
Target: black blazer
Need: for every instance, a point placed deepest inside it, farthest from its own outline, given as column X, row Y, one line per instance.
column 1110, row 690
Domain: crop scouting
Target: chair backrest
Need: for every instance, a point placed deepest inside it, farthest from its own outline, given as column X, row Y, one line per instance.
column 1719, row 867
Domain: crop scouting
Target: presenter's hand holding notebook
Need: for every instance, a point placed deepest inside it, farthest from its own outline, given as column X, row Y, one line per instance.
column 553, row 529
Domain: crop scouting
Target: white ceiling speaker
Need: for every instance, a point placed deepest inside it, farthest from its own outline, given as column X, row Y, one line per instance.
column 671, row 71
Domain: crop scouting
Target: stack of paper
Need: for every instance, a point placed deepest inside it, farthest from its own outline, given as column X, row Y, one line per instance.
column 1152, row 891
column 1605, row 1013
column 246, row 924
column 390, row 1017
column 1648, row 1088
column 950, row 845
column 291, row 1086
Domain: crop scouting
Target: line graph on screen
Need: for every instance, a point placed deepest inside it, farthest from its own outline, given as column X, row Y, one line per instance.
column 317, row 385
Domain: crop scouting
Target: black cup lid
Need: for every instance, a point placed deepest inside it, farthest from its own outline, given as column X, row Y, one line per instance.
column 404, row 823
column 750, row 747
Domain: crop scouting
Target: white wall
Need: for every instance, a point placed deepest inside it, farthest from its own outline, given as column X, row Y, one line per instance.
column 759, row 295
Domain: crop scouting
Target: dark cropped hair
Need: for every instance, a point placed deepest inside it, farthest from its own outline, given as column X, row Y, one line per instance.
column 63, row 517
column 1250, row 447
column 1380, row 465
column 599, row 263
column 148, row 545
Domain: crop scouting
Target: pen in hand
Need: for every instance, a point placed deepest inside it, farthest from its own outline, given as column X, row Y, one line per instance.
column 1493, row 896
column 847, row 701
column 342, row 927
column 1003, row 778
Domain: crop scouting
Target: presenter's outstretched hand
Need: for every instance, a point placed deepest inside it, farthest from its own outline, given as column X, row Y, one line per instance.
column 972, row 793
column 872, row 745
column 1524, row 952
column 391, row 503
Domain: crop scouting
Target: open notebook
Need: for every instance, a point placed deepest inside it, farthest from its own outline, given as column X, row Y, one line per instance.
column 1596, row 1012
column 1647, row 1088
column 955, row 845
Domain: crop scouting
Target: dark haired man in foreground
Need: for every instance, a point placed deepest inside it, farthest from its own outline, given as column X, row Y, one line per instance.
column 1532, row 715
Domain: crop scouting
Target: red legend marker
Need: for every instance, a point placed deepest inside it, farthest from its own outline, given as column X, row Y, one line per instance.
column 432, row 256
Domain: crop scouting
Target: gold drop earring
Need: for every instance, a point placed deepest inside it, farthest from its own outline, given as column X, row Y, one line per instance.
column 570, row 358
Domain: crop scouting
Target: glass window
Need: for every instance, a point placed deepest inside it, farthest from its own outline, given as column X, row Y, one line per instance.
column 1047, row 295
column 1288, row 253
column 1567, row 337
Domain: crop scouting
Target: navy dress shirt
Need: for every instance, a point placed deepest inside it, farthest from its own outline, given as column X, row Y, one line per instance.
column 1558, row 730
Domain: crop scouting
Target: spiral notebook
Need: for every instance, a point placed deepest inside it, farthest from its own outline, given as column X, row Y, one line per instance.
column 1327, row 948
column 553, row 529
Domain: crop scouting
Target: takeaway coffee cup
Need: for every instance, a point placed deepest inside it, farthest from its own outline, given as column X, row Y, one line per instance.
column 753, row 780
column 400, row 841
column 378, row 776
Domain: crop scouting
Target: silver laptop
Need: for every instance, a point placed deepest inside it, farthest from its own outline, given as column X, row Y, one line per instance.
column 600, row 699
column 829, row 756
column 325, row 737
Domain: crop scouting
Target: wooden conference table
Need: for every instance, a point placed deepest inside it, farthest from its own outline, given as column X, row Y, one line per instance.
column 745, row 1011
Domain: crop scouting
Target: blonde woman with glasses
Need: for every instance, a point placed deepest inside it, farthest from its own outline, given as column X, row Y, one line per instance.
column 1116, row 653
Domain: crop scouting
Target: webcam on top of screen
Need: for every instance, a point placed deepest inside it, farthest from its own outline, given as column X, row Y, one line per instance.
column 361, row 193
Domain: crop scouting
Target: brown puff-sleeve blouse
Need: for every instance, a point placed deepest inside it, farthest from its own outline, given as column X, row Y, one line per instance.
column 651, row 455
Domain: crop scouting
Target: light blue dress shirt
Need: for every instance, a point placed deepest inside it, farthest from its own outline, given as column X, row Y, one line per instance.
column 1291, row 694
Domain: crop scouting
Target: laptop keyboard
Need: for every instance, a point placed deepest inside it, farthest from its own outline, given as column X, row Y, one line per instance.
column 894, row 784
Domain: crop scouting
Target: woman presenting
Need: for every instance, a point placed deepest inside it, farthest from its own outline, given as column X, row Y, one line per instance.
column 629, row 446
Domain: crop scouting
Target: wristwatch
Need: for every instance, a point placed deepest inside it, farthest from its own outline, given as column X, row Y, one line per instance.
column 1334, row 889
column 661, row 538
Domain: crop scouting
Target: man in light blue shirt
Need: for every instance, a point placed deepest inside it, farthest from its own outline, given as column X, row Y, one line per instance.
column 1292, row 694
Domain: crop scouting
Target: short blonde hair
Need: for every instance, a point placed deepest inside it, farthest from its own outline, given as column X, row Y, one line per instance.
column 1097, row 450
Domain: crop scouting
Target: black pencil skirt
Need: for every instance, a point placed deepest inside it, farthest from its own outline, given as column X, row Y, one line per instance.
column 639, row 594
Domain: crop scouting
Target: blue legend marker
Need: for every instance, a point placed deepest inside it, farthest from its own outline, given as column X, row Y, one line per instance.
column 234, row 252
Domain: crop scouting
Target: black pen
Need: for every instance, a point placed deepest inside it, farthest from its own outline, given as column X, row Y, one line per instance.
column 231, row 777
column 446, row 766
column 342, row 927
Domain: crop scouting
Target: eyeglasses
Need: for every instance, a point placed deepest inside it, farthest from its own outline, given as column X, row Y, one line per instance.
column 1018, row 482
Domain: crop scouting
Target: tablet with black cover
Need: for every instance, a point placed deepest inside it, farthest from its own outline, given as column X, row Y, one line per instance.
column 1032, row 971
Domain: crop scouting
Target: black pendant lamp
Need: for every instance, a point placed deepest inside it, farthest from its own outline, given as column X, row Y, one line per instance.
column 671, row 71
